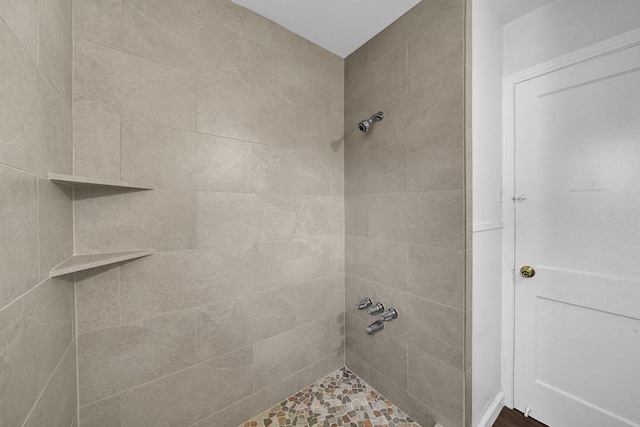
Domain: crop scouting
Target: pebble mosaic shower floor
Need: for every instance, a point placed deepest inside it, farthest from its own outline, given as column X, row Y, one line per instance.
column 341, row 399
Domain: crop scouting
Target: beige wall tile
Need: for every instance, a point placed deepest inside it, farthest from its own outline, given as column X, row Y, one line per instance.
column 258, row 402
column 224, row 12
column 36, row 417
column 388, row 136
column 18, row 225
column 431, row 327
column 437, row 163
column 337, row 176
column 239, row 218
column 437, row 274
column 468, row 398
column 98, row 298
column 56, row 47
column 434, row 328
column 165, row 33
column 244, row 114
column 97, row 21
column 236, row 218
column 36, row 332
column 381, row 350
column 380, row 261
column 356, row 210
column 191, row 394
column 357, row 366
column 60, row 397
column 439, row 385
column 119, row 358
column 316, row 299
column 433, row 218
column 337, row 330
column 171, row 158
column 319, row 370
column 36, row 128
column 420, row 412
column 21, row 16
column 306, row 86
column 468, row 340
column 172, row 281
column 415, row 153
column 356, row 61
column 278, row 264
column 114, row 83
column 288, row 352
column 387, row 74
column 337, row 254
column 318, row 132
column 432, row 69
column 96, row 146
column 234, row 324
column 55, row 225
column 383, row 170
column 110, row 220
column 283, row 171
column 104, row 413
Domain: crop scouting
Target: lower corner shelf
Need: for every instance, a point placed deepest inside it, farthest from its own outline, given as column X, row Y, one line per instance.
column 85, row 262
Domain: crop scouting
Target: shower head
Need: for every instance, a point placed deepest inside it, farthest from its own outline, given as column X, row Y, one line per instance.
column 366, row 124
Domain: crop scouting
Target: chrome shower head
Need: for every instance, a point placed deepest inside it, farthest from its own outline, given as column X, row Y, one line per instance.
column 366, row 124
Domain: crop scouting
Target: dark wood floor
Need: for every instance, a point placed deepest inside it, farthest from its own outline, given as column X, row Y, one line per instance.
column 514, row 418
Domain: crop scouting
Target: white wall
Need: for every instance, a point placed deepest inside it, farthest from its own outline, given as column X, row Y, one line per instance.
column 564, row 26
column 487, row 210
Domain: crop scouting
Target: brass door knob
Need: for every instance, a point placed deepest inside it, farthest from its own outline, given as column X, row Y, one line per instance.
column 527, row 271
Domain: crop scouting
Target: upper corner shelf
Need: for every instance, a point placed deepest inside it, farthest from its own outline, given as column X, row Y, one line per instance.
column 85, row 262
column 83, row 181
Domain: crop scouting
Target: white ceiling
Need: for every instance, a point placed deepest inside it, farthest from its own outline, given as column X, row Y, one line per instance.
column 510, row 10
column 340, row 26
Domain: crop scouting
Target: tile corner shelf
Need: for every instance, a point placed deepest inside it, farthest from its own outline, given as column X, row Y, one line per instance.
column 85, row 262
column 83, row 181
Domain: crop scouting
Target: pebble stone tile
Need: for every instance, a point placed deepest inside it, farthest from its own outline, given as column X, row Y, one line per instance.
column 340, row 399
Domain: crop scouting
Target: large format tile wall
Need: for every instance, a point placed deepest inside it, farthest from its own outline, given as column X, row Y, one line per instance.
column 37, row 346
column 406, row 212
column 239, row 126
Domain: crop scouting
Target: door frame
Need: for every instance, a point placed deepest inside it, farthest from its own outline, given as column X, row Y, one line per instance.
column 509, row 83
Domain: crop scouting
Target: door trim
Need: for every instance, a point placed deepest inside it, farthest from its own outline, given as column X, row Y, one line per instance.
column 509, row 83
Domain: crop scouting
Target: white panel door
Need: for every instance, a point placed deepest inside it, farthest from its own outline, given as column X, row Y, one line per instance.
column 577, row 332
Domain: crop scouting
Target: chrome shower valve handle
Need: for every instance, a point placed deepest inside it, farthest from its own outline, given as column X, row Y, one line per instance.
column 376, row 308
column 363, row 303
column 389, row 315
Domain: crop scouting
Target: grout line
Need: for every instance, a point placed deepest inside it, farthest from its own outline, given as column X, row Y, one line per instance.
column 404, row 292
column 75, row 307
column 195, row 315
column 119, row 294
column 24, row 294
column 49, row 380
column 229, row 300
column 197, row 95
column 38, row 227
column 15, row 168
column 121, row 20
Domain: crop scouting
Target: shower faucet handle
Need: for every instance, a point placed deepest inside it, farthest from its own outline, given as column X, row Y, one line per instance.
column 376, row 308
column 389, row 315
column 364, row 303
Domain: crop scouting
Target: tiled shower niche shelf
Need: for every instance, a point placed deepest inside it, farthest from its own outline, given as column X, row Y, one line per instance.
column 85, row 262
column 83, row 181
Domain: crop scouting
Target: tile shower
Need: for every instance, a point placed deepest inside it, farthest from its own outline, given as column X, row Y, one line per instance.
column 271, row 215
